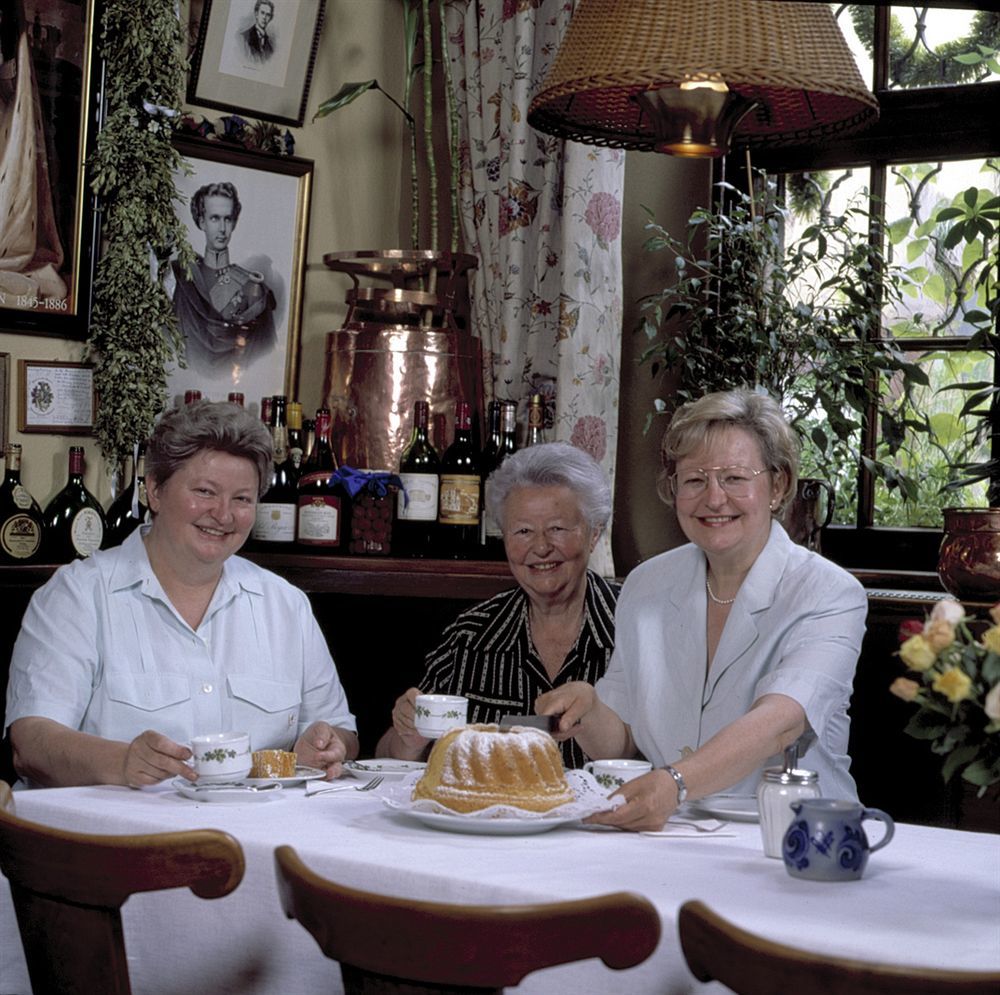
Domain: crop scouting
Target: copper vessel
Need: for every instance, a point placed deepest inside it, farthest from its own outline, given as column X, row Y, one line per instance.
column 400, row 343
column 969, row 559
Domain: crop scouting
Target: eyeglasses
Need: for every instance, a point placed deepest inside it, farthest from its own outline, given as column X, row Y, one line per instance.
column 736, row 481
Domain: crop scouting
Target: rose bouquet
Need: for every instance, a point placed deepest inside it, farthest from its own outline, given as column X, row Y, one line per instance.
column 958, row 691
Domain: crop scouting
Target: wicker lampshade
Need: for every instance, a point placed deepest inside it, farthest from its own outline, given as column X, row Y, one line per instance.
column 649, row 74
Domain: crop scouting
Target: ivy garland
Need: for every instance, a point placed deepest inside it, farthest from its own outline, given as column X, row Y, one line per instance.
column 133, row 328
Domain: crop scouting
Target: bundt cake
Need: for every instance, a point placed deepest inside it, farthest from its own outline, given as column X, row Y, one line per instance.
column 476, row 766
column 273, row 763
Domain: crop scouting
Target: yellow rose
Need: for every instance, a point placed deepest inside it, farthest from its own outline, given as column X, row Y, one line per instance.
column 917, row 653
column 991, row 706
column 954, row 684
column 991, row 638
column 903, row 687
column 939, row 634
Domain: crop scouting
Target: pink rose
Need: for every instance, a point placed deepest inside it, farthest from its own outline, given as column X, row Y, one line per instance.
column 903, row 687
column 591, row 435
column 991, row 706
column 939, row 634
column 604, row 216
column 948, row 610
column 995, row 613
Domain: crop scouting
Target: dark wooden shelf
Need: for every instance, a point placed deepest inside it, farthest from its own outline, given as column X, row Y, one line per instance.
column 462, row 580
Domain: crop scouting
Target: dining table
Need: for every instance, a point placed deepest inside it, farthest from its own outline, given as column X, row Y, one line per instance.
column 931, row 898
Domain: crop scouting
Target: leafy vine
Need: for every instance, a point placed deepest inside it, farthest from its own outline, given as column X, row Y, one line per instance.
column 133, row 329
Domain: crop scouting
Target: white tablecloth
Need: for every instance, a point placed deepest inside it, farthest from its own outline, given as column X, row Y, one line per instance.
column 931, row 898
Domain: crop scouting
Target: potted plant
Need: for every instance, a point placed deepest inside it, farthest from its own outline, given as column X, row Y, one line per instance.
column 792, row 319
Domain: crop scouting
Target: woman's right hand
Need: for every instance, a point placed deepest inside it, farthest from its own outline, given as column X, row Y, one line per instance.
column 571, row 702
column 152, row 757
column 403, row 714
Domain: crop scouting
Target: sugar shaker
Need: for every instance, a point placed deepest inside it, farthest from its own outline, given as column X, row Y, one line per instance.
column 778, row 788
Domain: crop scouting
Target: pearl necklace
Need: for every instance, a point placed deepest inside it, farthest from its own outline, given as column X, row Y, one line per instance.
column 711, row 594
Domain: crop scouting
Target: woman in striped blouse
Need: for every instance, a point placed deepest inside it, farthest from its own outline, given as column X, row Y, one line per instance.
column 552, row 502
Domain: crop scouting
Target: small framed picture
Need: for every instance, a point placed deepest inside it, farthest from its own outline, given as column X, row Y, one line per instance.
column 56, row 397
column 4, row 398
column 256, row 57
column 239, row 308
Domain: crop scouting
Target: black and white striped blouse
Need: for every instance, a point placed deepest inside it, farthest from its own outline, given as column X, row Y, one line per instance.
column 486, row 655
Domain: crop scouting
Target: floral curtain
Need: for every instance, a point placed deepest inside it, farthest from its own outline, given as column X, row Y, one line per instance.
column 544, row 218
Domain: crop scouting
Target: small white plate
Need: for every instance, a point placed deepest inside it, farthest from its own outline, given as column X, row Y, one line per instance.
column 384, row 767
column 302, row 774
column 234, row 793
column 488, row 827
column 735, row 808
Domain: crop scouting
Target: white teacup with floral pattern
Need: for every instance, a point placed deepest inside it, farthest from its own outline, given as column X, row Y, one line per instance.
column 436, row 714
column 612, row 774
column 221, row 756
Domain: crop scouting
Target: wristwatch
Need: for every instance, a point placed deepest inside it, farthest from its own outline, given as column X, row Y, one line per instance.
column 682, row 791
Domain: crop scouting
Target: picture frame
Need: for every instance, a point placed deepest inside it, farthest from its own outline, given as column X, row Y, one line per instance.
column 264, row 73
column 4, row 398
column 56, row 397
column 52, row 88
column 241, row 322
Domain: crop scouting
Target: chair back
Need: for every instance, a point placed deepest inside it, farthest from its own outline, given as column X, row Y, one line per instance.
column 386, row 944
column 68, row 889
column 716, row 950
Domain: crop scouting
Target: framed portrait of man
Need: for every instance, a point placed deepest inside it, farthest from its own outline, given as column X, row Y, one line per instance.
column 239, row 306
column 256, row 57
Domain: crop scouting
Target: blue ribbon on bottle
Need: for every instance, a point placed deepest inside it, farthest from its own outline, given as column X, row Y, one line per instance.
column 358, row 480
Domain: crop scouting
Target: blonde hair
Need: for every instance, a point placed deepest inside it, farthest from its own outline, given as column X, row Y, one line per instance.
column 698, row 423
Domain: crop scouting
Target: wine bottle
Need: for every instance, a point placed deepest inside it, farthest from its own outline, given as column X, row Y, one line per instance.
column 416, row 512
column 536, row 421
column 237, row 397
column 265, row 410
column 190, row 396
column 323, row 505
column 128, row 511
column 74, row 521
column 277, row 510
column 458, row 493
column 308, row 439
column 493, row 457
column 295, row 447
column 21, row 527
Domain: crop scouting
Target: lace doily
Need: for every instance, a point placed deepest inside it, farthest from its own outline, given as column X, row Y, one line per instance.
column 589, row 797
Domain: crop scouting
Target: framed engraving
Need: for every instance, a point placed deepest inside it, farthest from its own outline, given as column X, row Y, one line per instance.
column 48, row 117
column 56, row 397
column 256, row 57
column 240, row 307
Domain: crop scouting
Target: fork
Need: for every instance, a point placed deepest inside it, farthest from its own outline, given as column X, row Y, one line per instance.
column 326, row 789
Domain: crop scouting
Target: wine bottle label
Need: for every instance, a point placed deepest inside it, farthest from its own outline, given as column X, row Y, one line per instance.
column 20, row 537
column 459, row 499
column 295, row 452
column 490, row 527
column 422, row 491
column 275, row 523
column 319, row 519
column 86, row 531
column 21, row 496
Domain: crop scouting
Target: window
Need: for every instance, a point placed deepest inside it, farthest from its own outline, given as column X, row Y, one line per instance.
column 929, row 173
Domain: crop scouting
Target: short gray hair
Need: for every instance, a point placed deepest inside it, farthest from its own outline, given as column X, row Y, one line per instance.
column 553, row 464
column 218, row 426
column 698, row 422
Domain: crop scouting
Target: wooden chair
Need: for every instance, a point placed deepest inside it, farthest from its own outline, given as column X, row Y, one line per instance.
column 716, row 950
column 68, row 890
column 394, row 945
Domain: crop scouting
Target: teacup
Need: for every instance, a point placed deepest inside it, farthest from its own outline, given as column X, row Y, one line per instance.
column 612, row 774
column 437, row 713
column 826, row 842
column 221, row 756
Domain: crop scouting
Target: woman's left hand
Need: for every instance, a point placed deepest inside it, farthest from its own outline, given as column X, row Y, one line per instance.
column 649, row 802
column 320, row 746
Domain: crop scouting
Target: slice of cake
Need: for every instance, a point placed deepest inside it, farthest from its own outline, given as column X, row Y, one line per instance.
column 476, row 766
column 273, row 763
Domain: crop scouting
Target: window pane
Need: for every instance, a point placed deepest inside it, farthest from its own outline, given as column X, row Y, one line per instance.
column 928, row 456
column 927, row 46
column 932, row 211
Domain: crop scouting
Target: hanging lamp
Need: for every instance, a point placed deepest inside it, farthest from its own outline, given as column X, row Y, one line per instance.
column 691, row 77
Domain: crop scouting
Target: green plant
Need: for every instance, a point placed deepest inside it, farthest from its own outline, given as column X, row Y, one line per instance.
column 133, row 329
column 418, row 27
column 797, row 320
